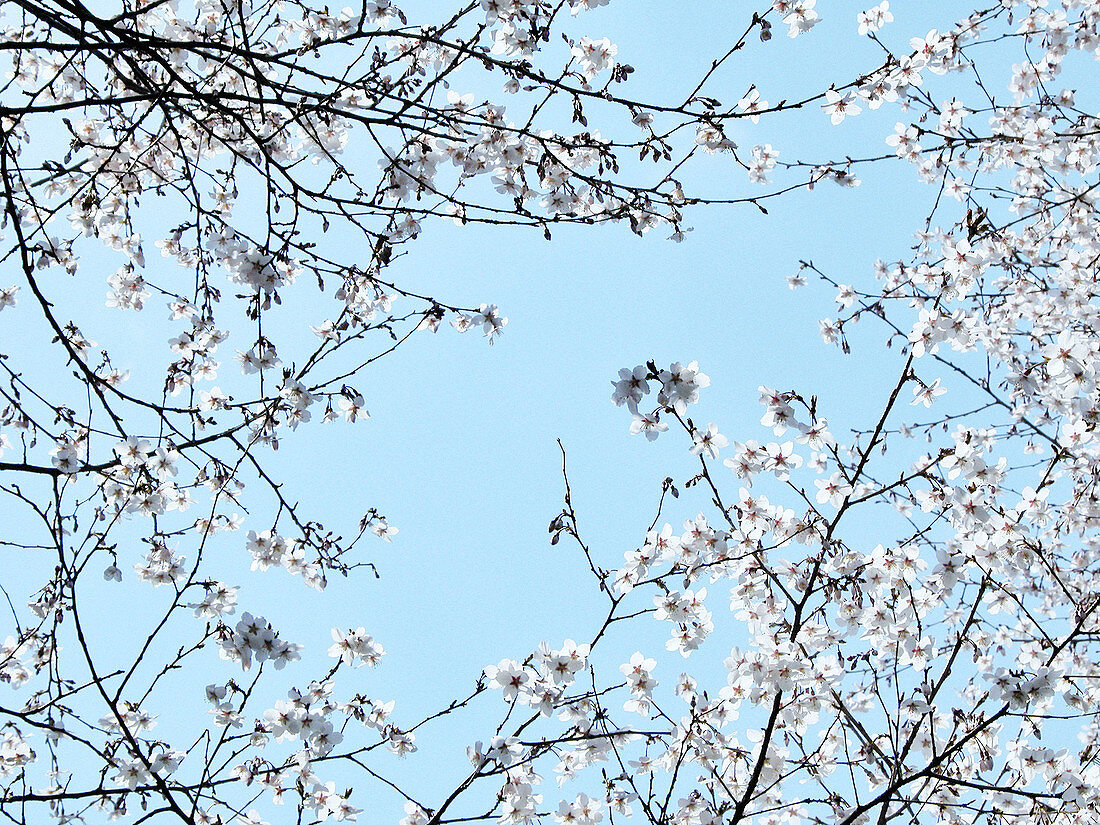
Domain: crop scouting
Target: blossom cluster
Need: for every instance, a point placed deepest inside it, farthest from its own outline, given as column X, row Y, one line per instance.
column 255, row 638
column 542, row 683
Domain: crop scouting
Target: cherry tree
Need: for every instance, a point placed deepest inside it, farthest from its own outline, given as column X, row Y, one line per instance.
column 916, row 598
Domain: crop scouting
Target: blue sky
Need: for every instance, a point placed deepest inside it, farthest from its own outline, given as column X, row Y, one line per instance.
column 461, row 451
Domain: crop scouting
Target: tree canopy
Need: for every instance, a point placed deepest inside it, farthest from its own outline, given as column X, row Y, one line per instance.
column 914, row 603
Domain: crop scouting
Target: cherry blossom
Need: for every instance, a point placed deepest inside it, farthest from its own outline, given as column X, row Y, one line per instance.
column 884, row 615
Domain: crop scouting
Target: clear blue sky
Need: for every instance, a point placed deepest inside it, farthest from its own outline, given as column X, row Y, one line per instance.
column 461, row 452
